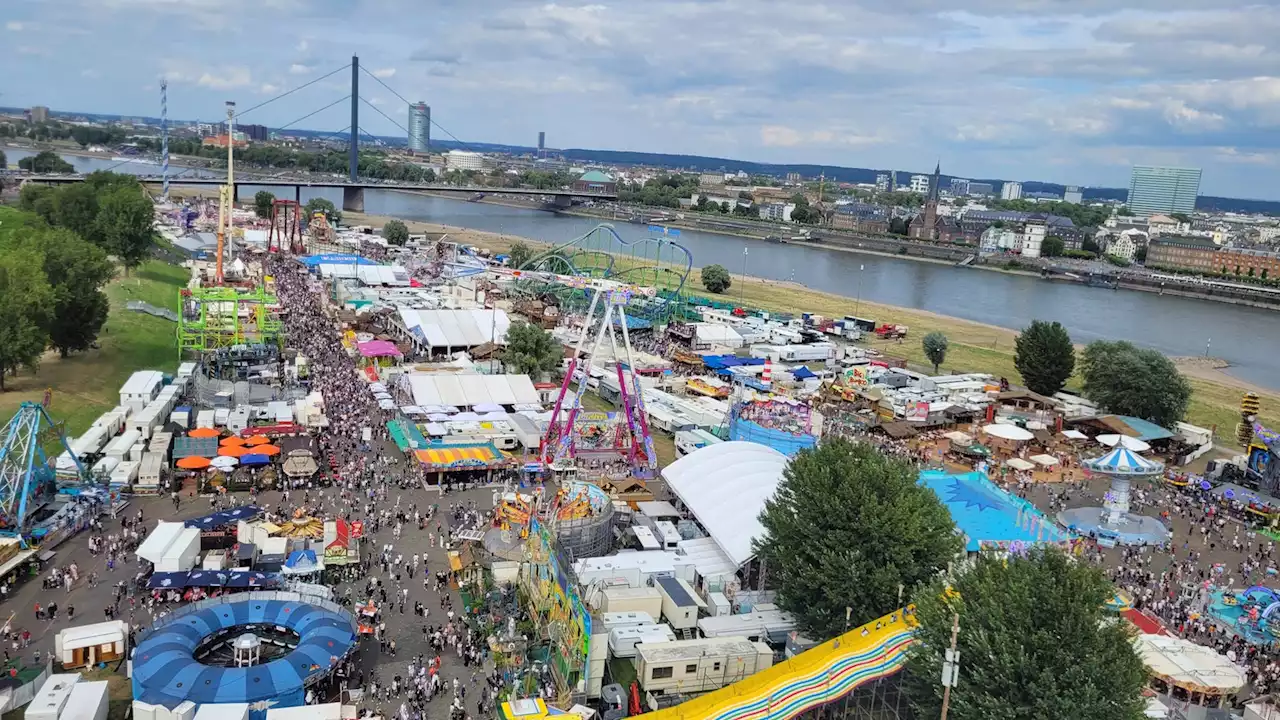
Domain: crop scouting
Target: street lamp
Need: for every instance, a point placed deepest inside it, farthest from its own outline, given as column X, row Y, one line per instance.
column 950, row 666
column 858, row 303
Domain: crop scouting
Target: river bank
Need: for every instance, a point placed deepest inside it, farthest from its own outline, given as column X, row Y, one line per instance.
column 974, row 346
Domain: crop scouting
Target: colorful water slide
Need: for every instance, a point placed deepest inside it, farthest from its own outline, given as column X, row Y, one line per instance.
column 815, row 677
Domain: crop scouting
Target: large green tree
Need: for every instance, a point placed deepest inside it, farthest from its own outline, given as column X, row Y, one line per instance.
column 716, row 279
column 125, row 218
column 531, row 350
column 262, row 203
column 1034, row 643
column 46, row 161
column 395, row 232
column 519, row 254
column 851, row 528
column 39, row 199
column 1129, row 380
column 77, row 271
column 26, row 305
column 935, row 347
column 76, row 209
column 1044, row 356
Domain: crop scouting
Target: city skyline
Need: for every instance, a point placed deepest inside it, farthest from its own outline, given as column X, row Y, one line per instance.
column 1033, row 91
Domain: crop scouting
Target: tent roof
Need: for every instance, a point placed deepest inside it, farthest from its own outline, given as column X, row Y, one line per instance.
column 166, row 533
column 1123, row 461
column 436, row 389
column 457, row 329
column 378, row 348
column 748, row 472
column 1185, row 663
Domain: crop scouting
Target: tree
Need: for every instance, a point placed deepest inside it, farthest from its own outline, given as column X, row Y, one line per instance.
column 1140, row 255
column 124, row 225
column 935, row 348
column 1052, row 246
column 898, row 226
column 262, row 204
column 1129, row 380
column 1044, row 356
column 1014, row 615
column 520, row 253
column 47, row 161
column 39, row 199
column 318, row 204
column 26, row 302
column 1181, row 217
column 4, row 161
column 851, row 527
column 531, row 350
column 395, row 232
column 1090, row 245
column 716, row 279
column 77, row 271
column 75, row 207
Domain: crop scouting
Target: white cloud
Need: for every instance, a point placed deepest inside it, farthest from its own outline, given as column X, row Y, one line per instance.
column 268, row 89
column 228, row 78
column 385, row 73
column 303, row 44
column 299, row 69
column 13, row 26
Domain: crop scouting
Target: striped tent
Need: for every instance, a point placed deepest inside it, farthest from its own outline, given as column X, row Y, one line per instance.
column 1123, row 461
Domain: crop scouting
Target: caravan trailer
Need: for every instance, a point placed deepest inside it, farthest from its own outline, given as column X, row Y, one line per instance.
column 689, row 440
column 623, row 641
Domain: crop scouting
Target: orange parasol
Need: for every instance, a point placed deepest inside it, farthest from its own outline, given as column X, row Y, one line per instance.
column 266, row 450
column 233, row 440
column 204, row 433
column 257, row 440
column 234, row 451
column 193, row 463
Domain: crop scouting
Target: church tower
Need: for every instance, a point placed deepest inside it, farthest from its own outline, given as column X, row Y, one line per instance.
column 926, row 225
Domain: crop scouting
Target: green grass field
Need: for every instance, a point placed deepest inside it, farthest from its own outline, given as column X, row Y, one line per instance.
column 87, row 384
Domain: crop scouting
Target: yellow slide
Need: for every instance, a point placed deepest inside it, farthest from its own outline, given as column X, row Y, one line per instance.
column 815, row 677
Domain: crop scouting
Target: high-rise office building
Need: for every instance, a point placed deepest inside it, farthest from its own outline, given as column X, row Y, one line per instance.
column 1163, row 190
column 39, row 114
column 1011, row 190
column 542, row 140
column 1073, row 194
column 420, row 127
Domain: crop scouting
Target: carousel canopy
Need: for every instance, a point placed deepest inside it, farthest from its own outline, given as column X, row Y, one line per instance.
column 1122, row 461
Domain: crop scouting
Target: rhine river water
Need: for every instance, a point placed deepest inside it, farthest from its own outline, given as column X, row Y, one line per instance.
column 1248, row 338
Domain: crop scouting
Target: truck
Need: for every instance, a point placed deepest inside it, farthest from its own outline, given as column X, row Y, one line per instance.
column 889, row 331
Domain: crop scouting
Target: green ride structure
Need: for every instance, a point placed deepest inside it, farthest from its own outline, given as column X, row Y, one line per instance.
column 657, row 261
column 213, row 318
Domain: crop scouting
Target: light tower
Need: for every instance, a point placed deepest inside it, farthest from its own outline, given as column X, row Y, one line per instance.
column 164, row 136
column 226, row 193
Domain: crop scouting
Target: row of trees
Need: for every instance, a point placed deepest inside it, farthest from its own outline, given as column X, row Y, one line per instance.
column 851, row 536
column 1119, row 376
column 663, row 191
column 109, row 210
column 51, row 291
column 372, row 164
column 45, row 161
column 83, row 135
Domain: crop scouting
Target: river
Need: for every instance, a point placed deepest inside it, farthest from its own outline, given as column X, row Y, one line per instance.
column 1248, row 338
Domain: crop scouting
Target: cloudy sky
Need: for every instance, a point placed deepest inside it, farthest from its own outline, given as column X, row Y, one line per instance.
column 1071, row 91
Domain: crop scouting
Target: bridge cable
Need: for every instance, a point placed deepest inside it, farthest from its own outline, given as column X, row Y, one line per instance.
column 294, row 90
column 388, row 117
column 406, row 102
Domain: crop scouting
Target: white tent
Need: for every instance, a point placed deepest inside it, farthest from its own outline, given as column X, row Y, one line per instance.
column 1045, row 460
column 709, row 334
column 1020, row 464
column 152, row 549
column 182, row 553
column 456, row 329
column 470, row 390
column 747, row 472
column 1007, row 432
column 1124, row 441
column 1073, row 435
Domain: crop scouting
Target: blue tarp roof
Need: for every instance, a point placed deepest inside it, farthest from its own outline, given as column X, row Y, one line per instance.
column 165, row 672
column 173, row 580
column 985, row 513
column 225, row 517
column 1147, row 431
column 335, row 259
column 719, row 362
column 802, row 373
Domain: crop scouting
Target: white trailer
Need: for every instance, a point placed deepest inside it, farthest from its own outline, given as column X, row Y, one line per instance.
column 205, row 419
column 118, row 448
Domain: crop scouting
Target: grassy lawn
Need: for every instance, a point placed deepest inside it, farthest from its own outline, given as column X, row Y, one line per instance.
column 87, row 384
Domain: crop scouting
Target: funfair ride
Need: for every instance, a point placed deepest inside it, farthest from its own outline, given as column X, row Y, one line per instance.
column 26, row 477
column 633, row 442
